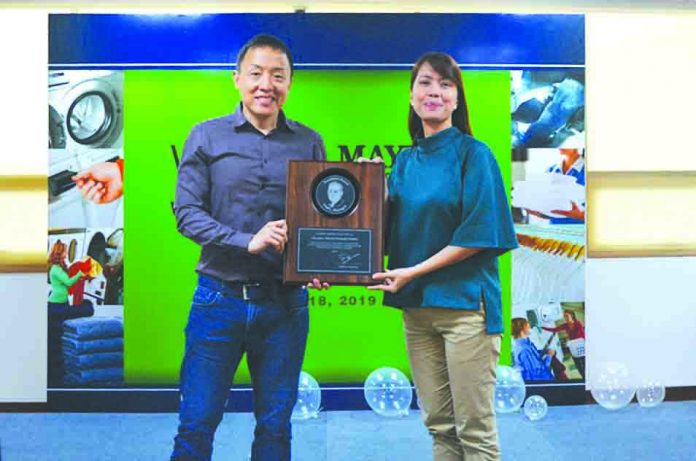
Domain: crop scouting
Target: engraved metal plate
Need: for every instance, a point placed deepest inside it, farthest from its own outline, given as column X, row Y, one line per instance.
column 338, row 251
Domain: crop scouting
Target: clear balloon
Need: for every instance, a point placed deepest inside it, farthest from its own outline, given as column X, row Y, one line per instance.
column 509, row 389
column 535, row 407
column 388, row 392
column 651, row 394
column 613, row 388
column 308, row 398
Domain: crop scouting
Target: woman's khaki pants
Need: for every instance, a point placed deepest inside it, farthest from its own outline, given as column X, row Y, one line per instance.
column 453, row 363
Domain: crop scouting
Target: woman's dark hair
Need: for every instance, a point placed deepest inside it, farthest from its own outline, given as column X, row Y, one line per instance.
column 444, row 65
column 56, row 255
column 572, row 314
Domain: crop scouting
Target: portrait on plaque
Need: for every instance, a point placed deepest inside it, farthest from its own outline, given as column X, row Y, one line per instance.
column 335, row 214
column 335, row 193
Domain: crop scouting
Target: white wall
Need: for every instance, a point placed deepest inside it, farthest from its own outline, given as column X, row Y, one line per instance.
column 23, row 337
column 641, row 71
column 23, row 149
column 642, row 312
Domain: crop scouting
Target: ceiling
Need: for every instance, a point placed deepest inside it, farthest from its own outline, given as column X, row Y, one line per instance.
column 536, row 6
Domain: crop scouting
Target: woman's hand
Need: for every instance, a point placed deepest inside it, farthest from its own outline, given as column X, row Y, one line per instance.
column 393, row 280
column 396, row 279
column 369, row 160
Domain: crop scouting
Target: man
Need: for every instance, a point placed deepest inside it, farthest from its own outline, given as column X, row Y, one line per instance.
column 571, row 164
column 336, row 201
column 230, row 199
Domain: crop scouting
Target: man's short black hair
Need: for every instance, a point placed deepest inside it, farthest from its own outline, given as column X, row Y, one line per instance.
column 261, row 41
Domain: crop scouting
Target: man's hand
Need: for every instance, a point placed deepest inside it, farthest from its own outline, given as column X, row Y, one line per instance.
column 100, row 183
column 318, row 284
column 273, row 234
column 393, row 280
column 575, row 212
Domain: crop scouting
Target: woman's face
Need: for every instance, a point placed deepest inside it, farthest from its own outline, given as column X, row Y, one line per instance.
column 568, row 318
column 433, row 98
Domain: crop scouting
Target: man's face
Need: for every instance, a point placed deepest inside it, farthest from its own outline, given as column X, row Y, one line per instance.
column 263, row 81
column 335, row 192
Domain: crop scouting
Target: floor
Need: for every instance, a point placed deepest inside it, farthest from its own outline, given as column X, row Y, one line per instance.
column 584, row 432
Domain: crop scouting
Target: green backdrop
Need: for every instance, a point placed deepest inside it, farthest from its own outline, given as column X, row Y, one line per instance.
column 348, row 108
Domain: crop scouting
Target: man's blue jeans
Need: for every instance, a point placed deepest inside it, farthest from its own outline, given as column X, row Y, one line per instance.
column 272, row 329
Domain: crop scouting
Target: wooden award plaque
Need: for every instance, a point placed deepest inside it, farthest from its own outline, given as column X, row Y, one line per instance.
column 335, row 217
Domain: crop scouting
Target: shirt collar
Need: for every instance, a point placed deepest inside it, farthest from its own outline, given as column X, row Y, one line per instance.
column 574, row 170
column 438, row 140
column 578, row 165
column 239, row 121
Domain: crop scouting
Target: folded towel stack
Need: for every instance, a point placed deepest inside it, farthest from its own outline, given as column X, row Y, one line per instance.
column 93, row 351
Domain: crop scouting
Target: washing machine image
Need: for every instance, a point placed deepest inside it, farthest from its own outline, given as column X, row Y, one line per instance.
column 105, row 245
column 56, row 129
column 85, row 109
column 67, row 208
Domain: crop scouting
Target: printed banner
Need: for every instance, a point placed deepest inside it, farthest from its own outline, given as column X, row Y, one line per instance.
column 119, row 113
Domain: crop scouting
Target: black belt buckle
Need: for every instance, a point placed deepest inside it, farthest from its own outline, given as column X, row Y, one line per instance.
column 245, row 289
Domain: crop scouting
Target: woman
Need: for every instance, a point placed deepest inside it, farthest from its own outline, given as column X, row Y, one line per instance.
column 575, row 330
column 534, row 365
column 60, row 310
column 58, row 276
column 450, row 220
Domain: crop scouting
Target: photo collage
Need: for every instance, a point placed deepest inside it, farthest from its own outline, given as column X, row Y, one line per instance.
column 85, row 235
column 548, row 206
